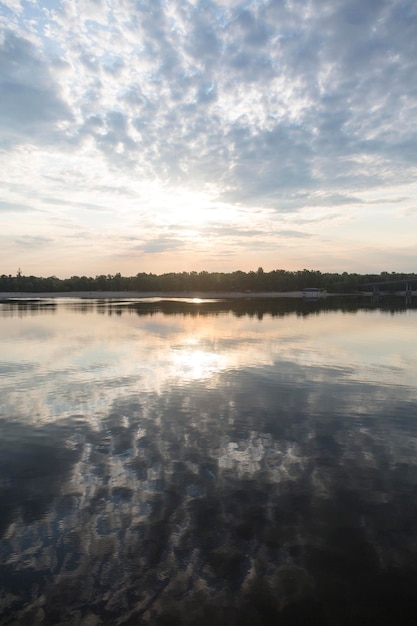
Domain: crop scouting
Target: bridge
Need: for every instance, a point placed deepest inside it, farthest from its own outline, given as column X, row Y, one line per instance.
column 407, row 284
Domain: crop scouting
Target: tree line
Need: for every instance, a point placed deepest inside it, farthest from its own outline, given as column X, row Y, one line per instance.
column 238, row 281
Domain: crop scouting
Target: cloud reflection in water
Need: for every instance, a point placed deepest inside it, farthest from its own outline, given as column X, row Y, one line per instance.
column 272, row 490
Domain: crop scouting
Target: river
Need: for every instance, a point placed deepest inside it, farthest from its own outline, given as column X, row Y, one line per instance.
column 208, row 462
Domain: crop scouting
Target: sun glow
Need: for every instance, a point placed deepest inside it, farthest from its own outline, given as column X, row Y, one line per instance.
column 188, row 207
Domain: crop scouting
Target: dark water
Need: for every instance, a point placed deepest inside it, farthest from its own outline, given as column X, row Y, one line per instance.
column 245, row 462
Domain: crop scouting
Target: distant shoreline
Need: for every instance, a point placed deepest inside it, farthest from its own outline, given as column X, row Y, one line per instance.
column 147, row 295
column 129, row 295
column 182, row 295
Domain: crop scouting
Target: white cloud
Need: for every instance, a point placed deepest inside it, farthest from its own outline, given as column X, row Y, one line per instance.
column 13, row 5
column 31, row 105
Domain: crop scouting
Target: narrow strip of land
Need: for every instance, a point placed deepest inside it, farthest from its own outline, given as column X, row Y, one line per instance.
column 127, row 295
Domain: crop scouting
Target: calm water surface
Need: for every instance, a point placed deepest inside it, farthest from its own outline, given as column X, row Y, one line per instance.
column 235, row 462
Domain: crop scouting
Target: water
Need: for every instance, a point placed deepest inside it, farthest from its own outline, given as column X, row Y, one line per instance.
column 231, row 462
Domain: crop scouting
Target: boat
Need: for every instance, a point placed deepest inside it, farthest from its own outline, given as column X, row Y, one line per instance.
column 313, row 293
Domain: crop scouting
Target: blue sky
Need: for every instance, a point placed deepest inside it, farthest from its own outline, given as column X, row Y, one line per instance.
column 171, row 135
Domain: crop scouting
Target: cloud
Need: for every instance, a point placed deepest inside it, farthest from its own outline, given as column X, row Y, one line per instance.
column 294, row 234
column 28, row 241
column 83, row 205
column 30, row 105
column 13, row 207
column 312, row 101
column 13, row 5
column 159, row 244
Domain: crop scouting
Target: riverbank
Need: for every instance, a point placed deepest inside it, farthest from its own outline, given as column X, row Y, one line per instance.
column 181, row 295
column 141, row 295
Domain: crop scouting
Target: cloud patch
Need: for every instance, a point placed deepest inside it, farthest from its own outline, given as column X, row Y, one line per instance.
column 159, row 244
column 13, row 207
column 28, row 241
column 30, row 105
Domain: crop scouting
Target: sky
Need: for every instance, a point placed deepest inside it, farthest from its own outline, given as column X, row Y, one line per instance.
column 219, row 135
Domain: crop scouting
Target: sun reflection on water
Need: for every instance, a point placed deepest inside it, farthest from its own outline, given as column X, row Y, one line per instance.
column 194, row 364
